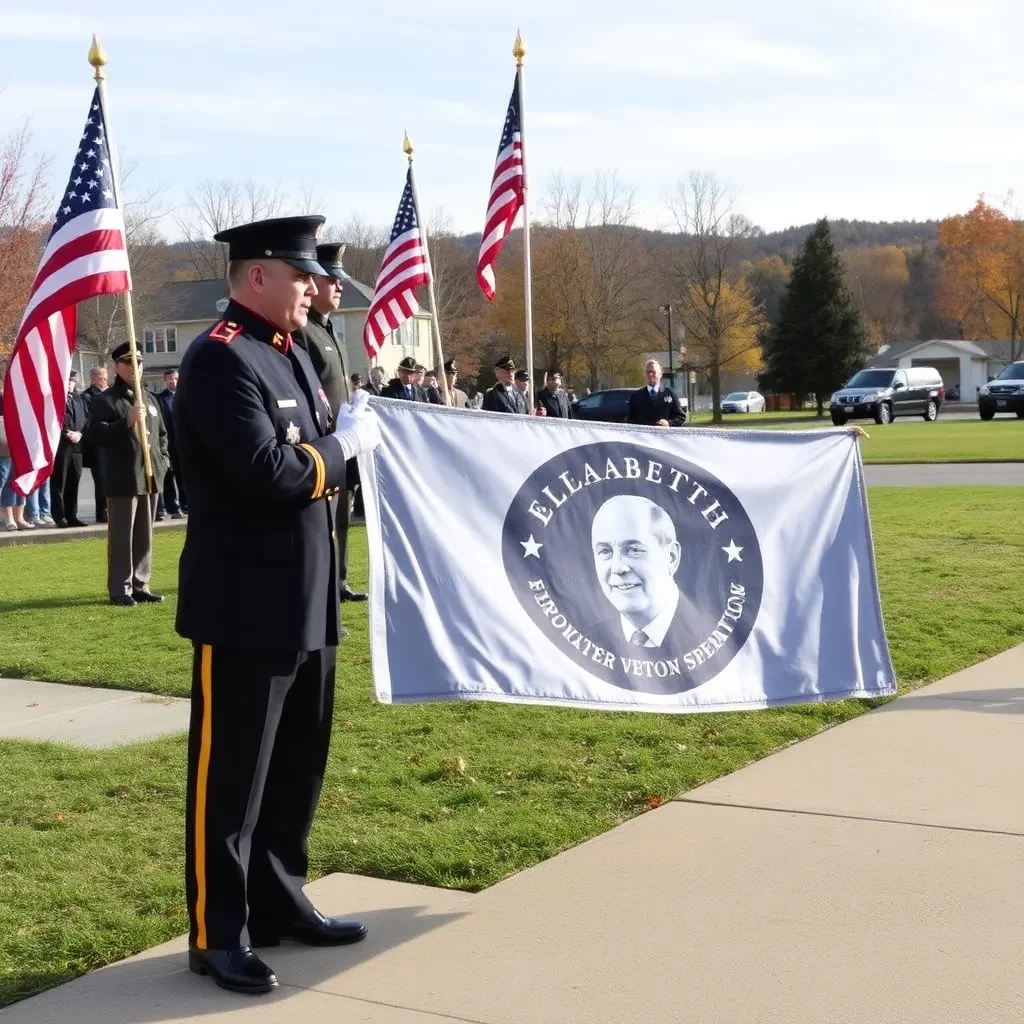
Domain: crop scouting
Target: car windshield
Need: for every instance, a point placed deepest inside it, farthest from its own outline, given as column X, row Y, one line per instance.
column 871, row 379
column 736, row 396
column 1015, row 371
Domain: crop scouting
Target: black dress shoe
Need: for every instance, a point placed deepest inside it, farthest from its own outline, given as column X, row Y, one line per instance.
column 239, row 970
column 124, row 601
column 60, row 524
column 146, row 597
column 76, row 522
column 315, row 930
column 348, row 594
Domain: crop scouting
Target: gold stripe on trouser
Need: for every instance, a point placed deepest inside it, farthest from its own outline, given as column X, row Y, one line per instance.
column 321, row 471
column 205, row 742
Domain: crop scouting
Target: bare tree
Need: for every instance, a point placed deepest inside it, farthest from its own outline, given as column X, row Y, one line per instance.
column 452, row 263
column 716, row 306
column 364, row 247
column 216, row 204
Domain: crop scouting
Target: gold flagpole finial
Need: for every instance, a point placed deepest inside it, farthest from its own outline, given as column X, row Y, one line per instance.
column 97, row 58
column 407, row 147
column 518, row 49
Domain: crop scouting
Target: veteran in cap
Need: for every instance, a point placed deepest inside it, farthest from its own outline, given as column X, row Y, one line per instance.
column 262, row 450
column 404, row 386
column 460, row 400
column 505, row 396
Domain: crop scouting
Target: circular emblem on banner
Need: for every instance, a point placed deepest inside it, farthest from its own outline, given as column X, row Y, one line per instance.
column 639, row 565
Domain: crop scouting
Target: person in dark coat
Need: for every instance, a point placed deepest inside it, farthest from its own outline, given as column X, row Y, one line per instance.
column 655, row 405
column 263, row 455
column 175, row 501
column 505, row 396
column 67, row 462
column 98, row 383
column 375, row 385
column 321, row 344
column 553, row 398
column 131, row 499
column 460, row 400
column 432, row 389
column 402, row 386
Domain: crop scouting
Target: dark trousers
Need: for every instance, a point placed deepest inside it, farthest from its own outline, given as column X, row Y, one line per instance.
column 257, row 749
column 174, row 491
column 67, row 472
column 129, row 543
column 341, row 515
column 97, row 485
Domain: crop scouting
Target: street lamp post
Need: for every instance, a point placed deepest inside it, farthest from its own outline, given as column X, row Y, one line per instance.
column 667, row 310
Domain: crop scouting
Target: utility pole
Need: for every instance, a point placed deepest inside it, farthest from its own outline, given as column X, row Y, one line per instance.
column 667, row 310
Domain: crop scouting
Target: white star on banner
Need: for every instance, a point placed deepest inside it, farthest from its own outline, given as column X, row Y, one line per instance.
column 733, row 552
column 531, row 547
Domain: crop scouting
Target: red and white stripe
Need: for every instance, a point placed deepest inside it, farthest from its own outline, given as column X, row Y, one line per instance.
column 85, row 258
column 505, row 200
column 403, row 269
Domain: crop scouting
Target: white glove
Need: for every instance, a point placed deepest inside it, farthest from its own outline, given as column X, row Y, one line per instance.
column 357, row 428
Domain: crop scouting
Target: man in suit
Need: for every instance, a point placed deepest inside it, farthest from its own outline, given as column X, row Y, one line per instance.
column 262, row 456
column 460, row 400
column 375, row 385
column 113, row 428
column 175, row 502
column 432, row 388
column 505, row 396
column 321, row 344
column 67, row 463
column 98, row 383
column 553, row 398
column 653, row 404
column 403, row 385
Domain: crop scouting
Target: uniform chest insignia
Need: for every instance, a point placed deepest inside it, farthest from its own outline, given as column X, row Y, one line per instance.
column 152, row 410
column 323, row 398
column 225, row 331
column 292, row 435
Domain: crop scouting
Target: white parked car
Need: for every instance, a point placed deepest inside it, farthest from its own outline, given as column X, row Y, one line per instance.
column 743, row 401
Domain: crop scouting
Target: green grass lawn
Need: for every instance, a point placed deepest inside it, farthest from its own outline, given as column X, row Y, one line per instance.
column 914, row 440
column 448, row 794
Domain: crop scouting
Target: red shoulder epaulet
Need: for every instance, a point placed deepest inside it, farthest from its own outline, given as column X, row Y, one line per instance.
column 225, row 331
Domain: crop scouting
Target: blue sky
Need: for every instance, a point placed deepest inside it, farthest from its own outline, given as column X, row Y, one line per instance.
column 874, row 109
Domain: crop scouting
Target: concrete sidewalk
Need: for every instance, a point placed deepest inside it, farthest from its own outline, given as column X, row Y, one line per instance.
column 870, row 875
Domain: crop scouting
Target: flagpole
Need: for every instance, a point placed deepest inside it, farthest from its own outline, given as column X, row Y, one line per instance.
column 97, row 58
column 519, row 52
column 442, row 377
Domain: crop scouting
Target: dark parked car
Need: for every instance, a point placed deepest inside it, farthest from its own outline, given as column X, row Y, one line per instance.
column 607, row 406
column 1004, row 393
column 886, row 393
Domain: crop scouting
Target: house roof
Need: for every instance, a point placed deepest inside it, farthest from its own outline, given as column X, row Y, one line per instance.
column 354, row 295
column 889, row 355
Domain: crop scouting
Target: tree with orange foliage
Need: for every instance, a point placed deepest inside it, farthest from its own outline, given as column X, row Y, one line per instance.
column 982, row 285
column 23, row 222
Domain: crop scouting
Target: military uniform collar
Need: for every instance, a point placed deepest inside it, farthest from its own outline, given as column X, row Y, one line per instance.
column 257, row 327
column 318, row 318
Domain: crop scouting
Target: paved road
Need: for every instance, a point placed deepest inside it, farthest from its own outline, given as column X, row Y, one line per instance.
column 1010, row 474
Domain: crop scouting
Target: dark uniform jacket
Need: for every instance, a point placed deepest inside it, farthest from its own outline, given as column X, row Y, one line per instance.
column 556, row 403
column 166, row 398
column 434, row 396
column 663, row 406
column 396, row 389
column 505, row 399
column 373, row 389
column 89, row 450
column 260, row 468
column 118, row 446
column 321, row 345
column 75, row 418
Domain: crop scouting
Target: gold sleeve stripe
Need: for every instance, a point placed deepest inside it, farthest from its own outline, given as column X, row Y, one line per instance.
column 321, row 471
column 202, row 781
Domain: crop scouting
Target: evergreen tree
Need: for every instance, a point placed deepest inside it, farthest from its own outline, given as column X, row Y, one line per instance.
column 819, row 341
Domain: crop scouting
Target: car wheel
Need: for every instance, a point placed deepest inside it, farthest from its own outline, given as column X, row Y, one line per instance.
column 839, row 421
column 883, row 413
column 932, row 412
column 1020, row 414
column 986, row 414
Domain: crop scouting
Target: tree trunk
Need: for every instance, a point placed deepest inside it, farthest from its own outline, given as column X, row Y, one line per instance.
column 821, row 404
column 716, row 393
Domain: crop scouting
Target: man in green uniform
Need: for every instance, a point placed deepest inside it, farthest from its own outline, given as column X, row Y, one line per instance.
column 328, row 358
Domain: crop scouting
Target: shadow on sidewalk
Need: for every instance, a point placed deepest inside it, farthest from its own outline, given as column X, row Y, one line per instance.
column 1008, row 701
column 158, row 987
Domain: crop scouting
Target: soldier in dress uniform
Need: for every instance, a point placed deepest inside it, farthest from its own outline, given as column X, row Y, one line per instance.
column 460, row 400
column 262, row 456
column 131, row 501
column 505, row 396
column 320, row 342
column 402, row 386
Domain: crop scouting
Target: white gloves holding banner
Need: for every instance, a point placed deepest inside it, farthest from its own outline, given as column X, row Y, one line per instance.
column 357, row 428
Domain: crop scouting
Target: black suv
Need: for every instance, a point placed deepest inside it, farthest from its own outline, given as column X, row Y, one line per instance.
column 1004, row 393
column 608, row 406
column 886, row 393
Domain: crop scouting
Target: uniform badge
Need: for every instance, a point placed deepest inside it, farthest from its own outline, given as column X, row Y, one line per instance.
column 323, row 398
column 292, row 435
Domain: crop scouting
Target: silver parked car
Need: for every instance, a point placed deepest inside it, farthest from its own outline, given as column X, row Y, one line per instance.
column 743, row 401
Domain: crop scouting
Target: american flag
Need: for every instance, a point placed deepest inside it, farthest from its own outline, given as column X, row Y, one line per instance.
column 403, row 269
column 85, row 256
column 507, row 188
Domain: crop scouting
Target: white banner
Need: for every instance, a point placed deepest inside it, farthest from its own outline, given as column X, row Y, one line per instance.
column 518, row 558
